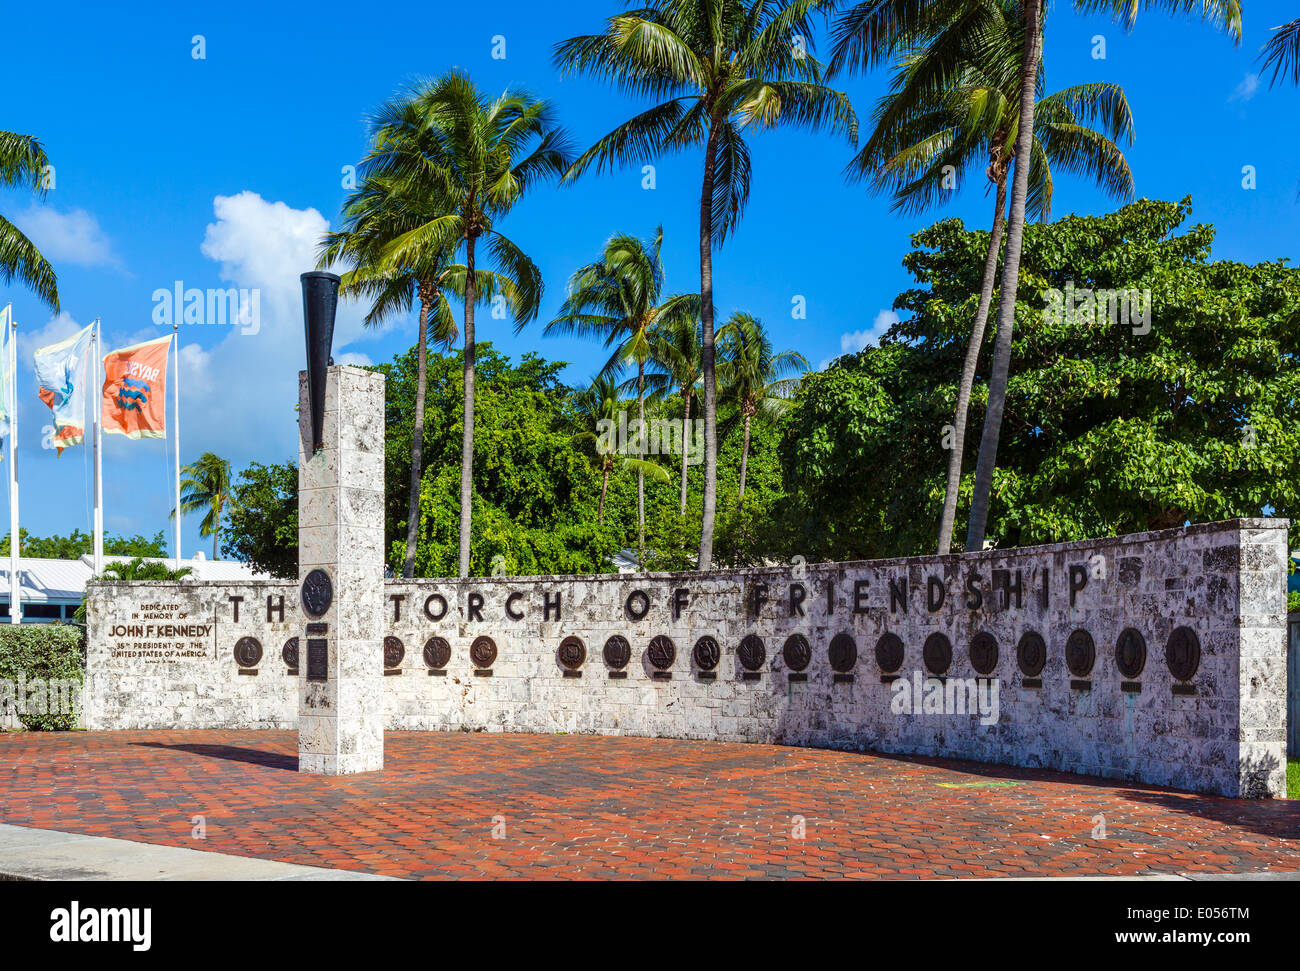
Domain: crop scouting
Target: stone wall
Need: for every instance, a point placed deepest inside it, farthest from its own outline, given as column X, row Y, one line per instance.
column 1215, row 588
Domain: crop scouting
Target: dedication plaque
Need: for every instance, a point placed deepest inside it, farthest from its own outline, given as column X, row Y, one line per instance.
column 318, row 660
column 163, row 631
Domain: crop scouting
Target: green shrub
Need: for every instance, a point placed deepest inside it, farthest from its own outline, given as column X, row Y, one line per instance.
column 1293, row 602
column 47, row 654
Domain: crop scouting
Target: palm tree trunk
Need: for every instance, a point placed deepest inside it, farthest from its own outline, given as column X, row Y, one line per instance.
column 706, row 356
column 417, row 436
column 640, row 475
column 744, row 464
column 686, row 426
column 968, row 373
column 604, row 486
column 467, row 443
column 1010, row 282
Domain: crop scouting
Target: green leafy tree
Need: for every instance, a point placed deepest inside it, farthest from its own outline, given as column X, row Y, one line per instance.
column 935, row 122
column 262, row 519
column 205, row 488
column 756, row 380
column 675, row 367
column 480, row 156
column 597, row 409
column 77, row 544
column 23, row 165
column 719, row 70
column 1112, row 428
column 620, row 300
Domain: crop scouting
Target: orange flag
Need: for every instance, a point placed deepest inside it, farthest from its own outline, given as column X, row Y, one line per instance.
column 135, row 390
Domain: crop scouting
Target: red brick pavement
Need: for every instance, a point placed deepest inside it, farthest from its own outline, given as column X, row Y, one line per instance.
column 589, row 806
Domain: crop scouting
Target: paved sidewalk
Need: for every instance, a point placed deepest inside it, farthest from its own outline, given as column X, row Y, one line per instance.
column 562, row 806
column 43, row 854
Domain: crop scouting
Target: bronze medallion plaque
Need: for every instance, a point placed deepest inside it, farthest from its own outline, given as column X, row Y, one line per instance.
column 317, row 592
column 483, row 651
column 937, row 653
column 662, row 652
column 1183, row 654
column 1080, row 653
column 290, row 652
column 617, row 652
column 752, row 653
column 796, row 652
column 889, row 652
column 1031, row 654
column 706, row 653
column 1131, row 653
column 843, row 652
column 572, row 652
column 394, row 651
column 984, row 653
column 248, row 652
column 437, row 653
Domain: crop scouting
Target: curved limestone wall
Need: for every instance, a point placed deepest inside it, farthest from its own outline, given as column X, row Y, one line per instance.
column 1156, row 657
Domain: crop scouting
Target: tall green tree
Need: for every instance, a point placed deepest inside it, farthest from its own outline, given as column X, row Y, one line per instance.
column 620, row 299
column 205, row 488
column 377, row 213
column 675, row 367
column 934, row 125
column 597, row 409
column 23, row 165
column 480, row 155
column 719, row 70
column 755, row 380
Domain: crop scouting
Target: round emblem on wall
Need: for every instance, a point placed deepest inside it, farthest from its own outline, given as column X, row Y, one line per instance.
column 1080, row 653
column 937, row 653
column 572, row 652
column 290, row 652
column 843, row 652
column 796, row 652
column 662, row 652
column 1130, row 652
column 889, row 652
column 483, row 651
column 1031, row 654
column 617, row 652
column 751, row 652
column 706, row 653
column 394, row 651
column 317, row 592
column 984, row 652
column 437, row 653
column 1183, row 653
column 248, row 652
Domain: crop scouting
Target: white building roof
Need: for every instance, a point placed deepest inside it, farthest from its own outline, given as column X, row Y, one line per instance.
column 64, row 581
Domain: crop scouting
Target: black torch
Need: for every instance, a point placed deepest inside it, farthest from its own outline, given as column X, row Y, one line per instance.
column 320, row 300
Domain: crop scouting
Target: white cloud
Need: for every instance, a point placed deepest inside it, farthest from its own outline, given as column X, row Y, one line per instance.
column 856, row 340
column 1246, row 89
column 72, row 237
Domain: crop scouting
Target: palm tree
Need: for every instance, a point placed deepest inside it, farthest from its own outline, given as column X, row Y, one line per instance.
column 676, row 356
column 870, row 30
column 376, row 213
column 723, row 68
column 597, row 410
column 1282, row 53
column 481, row 156
column 620, row 298
column 756, row 383
column 23, row 164
column 922, row 132
column 206, row 489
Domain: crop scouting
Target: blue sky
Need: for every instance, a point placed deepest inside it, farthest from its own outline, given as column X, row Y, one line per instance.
column 222, row 172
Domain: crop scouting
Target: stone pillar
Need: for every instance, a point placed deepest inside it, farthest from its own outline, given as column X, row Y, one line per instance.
column 341, row 576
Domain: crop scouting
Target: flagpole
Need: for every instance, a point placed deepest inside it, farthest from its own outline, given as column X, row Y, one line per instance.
column 15, row 588
column 99, row 471
column 176, row 433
